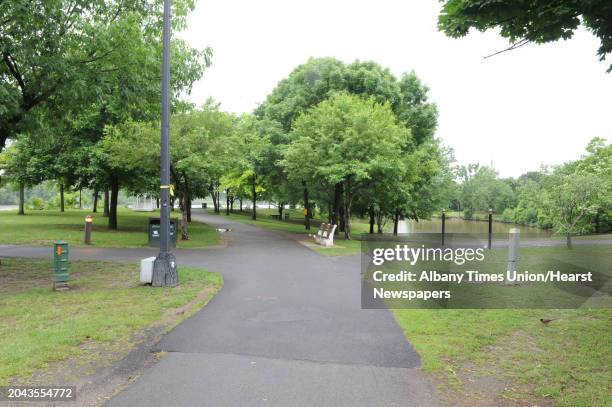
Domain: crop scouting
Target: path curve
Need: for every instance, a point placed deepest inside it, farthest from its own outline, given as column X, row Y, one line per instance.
column 287, row 329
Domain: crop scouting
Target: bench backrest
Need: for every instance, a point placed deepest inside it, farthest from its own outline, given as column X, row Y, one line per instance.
column 321, row 229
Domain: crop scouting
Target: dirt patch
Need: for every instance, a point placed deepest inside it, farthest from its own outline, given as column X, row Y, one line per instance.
column 485, row 384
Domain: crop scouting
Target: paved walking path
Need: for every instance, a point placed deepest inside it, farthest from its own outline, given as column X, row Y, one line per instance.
column 287, row 329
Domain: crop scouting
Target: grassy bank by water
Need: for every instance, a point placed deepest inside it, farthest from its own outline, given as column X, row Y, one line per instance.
column 44, row 227
column 105, row 306
column 566, row 362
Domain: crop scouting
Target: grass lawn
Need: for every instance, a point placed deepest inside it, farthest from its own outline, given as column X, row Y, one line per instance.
column 568, row 361
column 105, row 305
column 44, row 227
column 341, row 247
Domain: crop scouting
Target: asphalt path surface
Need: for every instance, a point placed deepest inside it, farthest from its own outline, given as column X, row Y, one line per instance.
column 287, row 329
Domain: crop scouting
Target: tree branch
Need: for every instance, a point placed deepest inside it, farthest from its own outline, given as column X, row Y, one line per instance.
column 516, row 45
column 12, row 66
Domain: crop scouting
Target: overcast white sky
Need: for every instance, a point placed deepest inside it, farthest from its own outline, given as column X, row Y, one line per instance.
column 537, row 104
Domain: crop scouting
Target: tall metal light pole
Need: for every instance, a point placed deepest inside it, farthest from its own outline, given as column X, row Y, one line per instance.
column 164, row 268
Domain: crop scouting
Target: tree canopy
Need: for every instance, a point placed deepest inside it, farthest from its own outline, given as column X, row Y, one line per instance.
column 528, row 21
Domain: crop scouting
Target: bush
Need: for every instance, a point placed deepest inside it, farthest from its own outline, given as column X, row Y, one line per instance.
column 36, row 203
column 508, row 215
column 468, row 213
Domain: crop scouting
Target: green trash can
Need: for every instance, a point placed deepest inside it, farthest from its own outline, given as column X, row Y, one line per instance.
column 155, row 230
column 60, row 265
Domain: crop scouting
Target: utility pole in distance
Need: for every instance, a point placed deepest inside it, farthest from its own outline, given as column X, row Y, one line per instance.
column 165, row 273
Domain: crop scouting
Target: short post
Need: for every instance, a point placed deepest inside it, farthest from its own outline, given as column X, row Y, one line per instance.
column 490, row 226
column 513, row 250
column 88, row 224
column 443, row 225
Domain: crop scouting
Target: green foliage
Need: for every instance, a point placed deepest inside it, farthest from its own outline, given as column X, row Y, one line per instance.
column 36, row 204
column 320, row 78
column 481, row 190
column 526, row 21
column 59, row 54
column 572, row 198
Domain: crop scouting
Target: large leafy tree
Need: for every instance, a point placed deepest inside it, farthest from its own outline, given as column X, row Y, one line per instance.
column 529, row 21
column 320, row 79
column 111, row 77
column 481, row 190
column 569, row 199
column 63, row 54
column 346, row 142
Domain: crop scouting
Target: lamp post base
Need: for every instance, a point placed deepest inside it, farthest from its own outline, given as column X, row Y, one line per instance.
column 165, row 273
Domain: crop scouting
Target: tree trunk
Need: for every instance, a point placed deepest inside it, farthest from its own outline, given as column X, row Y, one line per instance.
column 396, row 221
column 379, row 219
column 280, row 210
column 227, row 205
column 95, row 201
column 241, row 204
column 372, row 221
column 106, row 203
column 568, row 237
column 188, row 205
column 337, row 216
column 232, row 204
column 183, row 207
column 114, row 196
column 62, row 197
column 306, row 210
column 80, row 198
column 21, row 198
column 254, row 195
column 214, row 198
column 157, row 203
column 346, row 208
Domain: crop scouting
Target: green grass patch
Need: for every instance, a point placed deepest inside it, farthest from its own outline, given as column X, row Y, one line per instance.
column 105, row 304
column 568, row 361
column 44, row 227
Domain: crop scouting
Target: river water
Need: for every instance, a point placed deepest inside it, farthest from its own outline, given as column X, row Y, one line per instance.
column 456, row 225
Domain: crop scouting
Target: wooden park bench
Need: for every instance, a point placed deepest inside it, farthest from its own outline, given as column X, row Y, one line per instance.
column 325, row 235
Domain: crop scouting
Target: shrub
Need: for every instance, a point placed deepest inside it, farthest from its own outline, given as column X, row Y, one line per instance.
column 36, row 203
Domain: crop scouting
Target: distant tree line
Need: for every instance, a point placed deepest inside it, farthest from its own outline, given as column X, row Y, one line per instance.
column 575, row 197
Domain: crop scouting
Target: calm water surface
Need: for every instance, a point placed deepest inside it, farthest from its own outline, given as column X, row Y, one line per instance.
column 456, row 225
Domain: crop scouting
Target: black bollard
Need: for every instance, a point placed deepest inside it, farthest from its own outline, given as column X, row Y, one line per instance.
column 490, row 226
column 443, row 225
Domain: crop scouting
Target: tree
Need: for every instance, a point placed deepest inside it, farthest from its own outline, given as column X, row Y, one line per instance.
column 320, row 79
column 345, row 142
column 482, row 190
column 250, row 144
column 60, row 53
column 199, row 154
column 24, row 165
column 528, row 21
column 129, row 154
column 569, row 198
